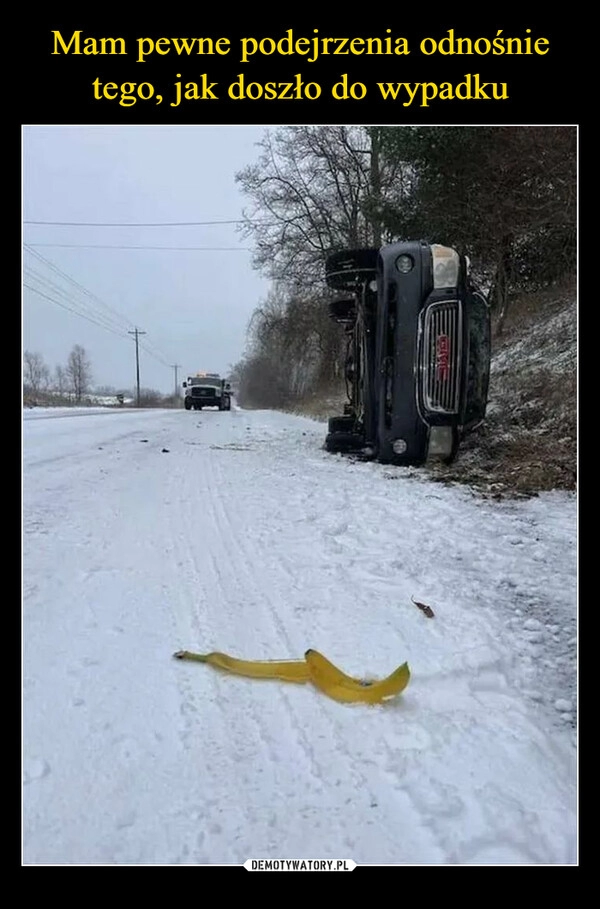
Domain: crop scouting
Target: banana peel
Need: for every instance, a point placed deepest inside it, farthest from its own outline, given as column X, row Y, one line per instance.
column 314, row 668
column 288, row 670
column 341, row 687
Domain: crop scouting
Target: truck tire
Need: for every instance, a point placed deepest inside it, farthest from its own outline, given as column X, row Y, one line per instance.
column 342, row 435
column 187, row 404
column 341, row 424
column 348, row 269
column 343, row 441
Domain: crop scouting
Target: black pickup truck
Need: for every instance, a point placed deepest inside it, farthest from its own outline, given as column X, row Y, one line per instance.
column 418, row 357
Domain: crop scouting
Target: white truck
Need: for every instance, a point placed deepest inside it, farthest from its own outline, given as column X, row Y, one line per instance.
column 207, row 389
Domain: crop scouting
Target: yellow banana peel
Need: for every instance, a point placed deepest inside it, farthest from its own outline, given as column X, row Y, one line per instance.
column 314, row 668
column 341, row 687
column 288, row 670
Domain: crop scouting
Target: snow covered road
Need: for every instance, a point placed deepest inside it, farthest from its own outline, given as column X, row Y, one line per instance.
column 146, row 532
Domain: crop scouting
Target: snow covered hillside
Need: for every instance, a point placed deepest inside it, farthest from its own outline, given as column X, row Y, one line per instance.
column 147, row 532
column 528, row 442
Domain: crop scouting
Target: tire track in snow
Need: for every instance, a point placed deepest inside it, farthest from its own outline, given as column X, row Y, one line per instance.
column 229, row 572
column 207, row 729
column 332, row 732
column 254, row 705
column 247, row 731
column 343, row 768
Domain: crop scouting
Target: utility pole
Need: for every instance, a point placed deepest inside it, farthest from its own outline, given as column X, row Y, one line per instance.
column 136, row 332
column 176, row 366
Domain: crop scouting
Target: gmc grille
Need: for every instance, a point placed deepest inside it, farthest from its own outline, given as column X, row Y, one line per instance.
column 440, row 357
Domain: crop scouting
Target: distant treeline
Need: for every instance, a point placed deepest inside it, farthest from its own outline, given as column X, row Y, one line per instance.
column 72, row 384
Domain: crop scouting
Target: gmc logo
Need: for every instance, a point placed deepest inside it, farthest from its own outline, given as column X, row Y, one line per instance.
column 442, row 359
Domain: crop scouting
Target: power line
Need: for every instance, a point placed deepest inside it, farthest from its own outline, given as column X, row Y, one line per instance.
column 52, row 288
column 76, row 284
column 144, row 223
column 113, row 331
column 109, row 246
column 156, row 354
column 74, row 311
column 97, row 318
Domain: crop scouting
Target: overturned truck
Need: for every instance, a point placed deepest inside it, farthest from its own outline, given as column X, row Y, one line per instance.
column 418, row 356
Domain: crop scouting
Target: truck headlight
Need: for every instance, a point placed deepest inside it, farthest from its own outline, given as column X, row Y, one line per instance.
column 404, row 264
column 399, row 446
column 446, row 265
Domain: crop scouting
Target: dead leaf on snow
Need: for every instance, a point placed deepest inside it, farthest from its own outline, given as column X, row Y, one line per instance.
column 427, row 610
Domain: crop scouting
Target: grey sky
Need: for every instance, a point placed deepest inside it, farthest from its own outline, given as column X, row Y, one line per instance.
column 193, row 305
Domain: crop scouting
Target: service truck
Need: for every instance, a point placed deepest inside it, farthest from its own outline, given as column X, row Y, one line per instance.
column 207, row 389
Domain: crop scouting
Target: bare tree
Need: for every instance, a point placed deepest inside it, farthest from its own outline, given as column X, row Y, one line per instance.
column 36, row 374
column 79, row 372
column 60, row 380
column 293, row 349
column 316, row 189
column 150, row 397
column 108, row 391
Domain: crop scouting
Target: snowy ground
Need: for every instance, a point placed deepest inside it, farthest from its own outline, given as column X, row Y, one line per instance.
column 146, row 532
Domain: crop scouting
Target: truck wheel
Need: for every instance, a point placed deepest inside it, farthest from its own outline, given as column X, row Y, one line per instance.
column 341, row 424
column 348, row 269
column 187, row 404
column 344, row 441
